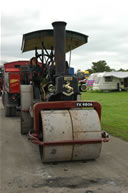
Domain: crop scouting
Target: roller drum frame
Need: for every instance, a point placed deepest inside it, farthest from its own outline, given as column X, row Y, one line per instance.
column 69, row 132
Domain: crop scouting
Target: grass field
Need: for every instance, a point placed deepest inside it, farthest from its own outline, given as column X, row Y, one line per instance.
column 114, row 111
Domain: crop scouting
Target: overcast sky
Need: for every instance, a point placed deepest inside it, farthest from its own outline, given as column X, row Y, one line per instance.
column 104, row 21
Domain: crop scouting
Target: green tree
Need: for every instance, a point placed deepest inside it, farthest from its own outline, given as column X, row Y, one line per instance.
column 123, row 70
column 90, row 71
column 100, row 66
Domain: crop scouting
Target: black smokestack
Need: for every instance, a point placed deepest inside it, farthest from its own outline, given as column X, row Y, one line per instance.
column 59, row 38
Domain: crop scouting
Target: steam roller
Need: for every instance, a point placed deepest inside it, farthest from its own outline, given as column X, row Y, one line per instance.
column 65, row 127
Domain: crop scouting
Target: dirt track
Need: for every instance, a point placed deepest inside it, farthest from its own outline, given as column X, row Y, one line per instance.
column 21, row 170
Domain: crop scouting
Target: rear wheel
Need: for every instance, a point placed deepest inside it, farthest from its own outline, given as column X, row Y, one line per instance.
column 10, row 111
column 83, row 87
column 7, row 111
column 13, row 111
column 26, row 122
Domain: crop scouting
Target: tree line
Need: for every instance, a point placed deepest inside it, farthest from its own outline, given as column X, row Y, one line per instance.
column 101, row 66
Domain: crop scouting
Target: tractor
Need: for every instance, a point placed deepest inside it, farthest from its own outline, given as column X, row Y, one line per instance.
column 64, row 127
column 82, row 80
column 14, row 73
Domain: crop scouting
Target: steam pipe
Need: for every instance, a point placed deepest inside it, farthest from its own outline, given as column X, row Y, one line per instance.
column 60, row 45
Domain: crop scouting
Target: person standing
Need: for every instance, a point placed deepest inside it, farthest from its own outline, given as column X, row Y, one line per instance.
column 34, row 76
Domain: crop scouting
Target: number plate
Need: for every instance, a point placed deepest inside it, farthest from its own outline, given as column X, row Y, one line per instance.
column 84, row 104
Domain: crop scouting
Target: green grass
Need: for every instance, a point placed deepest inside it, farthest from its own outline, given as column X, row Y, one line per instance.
column 114, row 111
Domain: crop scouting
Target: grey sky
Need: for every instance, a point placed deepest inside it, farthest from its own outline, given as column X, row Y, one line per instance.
column 104, row 21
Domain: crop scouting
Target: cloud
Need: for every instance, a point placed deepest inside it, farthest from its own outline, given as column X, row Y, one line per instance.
column 104, row 22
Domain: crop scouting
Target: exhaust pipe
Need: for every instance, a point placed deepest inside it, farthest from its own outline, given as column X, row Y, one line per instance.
column 59, row 44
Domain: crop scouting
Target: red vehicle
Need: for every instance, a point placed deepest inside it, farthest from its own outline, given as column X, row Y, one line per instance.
column 13, row 75
column 1, row 80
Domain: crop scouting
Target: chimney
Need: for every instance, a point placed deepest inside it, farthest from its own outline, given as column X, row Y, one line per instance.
column 59, row 44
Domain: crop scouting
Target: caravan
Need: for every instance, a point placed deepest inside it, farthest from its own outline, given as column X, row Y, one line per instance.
column 109, row 81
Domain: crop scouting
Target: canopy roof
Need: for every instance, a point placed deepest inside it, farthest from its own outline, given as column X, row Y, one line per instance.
column 33, row 40
column 117, row 74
